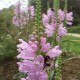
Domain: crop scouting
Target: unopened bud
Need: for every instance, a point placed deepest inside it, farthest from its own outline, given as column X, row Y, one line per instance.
column 36, row 36
column 33, row 39
column 34, row 33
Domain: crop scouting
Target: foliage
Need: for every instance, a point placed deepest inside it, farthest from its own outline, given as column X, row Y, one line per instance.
column 74, row 29
column 8, row 47
column 8, row 34
column 71, row 45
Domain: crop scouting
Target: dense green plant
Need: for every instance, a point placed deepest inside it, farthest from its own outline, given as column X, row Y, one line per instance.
column 74, row 29
column 8, row 47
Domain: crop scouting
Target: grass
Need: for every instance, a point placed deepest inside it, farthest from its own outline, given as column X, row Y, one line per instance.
column 71, row 44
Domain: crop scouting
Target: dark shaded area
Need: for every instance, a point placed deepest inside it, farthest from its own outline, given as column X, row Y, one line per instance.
column 8, row 68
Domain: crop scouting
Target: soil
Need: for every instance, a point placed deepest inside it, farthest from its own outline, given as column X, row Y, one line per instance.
column 8, row 68
column 71, row 69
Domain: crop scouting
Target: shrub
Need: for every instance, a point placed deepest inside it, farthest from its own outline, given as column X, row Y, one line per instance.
column 74, row 29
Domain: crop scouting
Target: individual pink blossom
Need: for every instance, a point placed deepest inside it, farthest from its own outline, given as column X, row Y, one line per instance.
column 51, row 13
column 42, row 41
column 57, row 38
column 44, row 46
column 25, row 66
column 62, row 30
column 25, row 50
column 45, row 19
column 69, row 18
column 49, row 30
column 54, row 52
column 38, row 76
column 61, row 15
column 23, row 78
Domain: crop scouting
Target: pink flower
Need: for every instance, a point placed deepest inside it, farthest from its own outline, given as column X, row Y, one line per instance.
column 50, row 13
column 25, row 50
column 69, row 18
column 49, row 30
column 45, row 20
column 38, row 76
column 23, row 78
column 54, row 52
column 61, row 15
column 62, row 30
column 44, row 46
column 34, row 47
column 58, row 38
column 42, row 41
column 25, row 66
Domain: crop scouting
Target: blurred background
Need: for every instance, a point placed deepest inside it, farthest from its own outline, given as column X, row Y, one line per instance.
column 8, row 42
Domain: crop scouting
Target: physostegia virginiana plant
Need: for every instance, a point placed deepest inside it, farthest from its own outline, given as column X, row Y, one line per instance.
column 40, row 56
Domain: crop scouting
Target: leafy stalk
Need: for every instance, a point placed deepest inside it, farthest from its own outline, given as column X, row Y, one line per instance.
column 38, row 16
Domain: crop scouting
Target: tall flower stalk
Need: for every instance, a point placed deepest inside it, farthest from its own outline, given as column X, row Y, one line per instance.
column 38, row 16
column 40, row 56
column 23, row 19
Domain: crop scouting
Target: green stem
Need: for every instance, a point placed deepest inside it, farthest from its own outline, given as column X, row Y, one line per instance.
column 48, row 6
column 65, row 7
column 38, row 17
column 56, row 4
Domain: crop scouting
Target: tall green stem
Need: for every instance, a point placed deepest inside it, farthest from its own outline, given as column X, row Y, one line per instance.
column 65, row 7
column 48, row 6
column 38, row 17
column 56, row 4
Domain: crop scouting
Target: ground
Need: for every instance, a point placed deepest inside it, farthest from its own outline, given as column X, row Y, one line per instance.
column 8, row 68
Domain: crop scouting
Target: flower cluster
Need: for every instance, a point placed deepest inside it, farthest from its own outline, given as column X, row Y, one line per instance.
column 33, row 58
column 18, row 18
column 54, row 21
column 21, row 16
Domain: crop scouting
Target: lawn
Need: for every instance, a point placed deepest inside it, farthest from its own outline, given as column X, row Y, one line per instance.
column 71, row 44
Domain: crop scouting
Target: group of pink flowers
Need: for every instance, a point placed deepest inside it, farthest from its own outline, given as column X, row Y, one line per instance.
column 36, row 53
column 33, row 55
column 54, row 21
column 21, row 16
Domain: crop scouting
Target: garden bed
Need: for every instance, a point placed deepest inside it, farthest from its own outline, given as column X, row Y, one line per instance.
column 8, row 68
